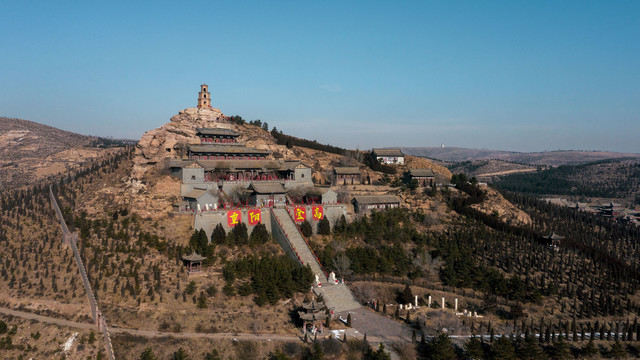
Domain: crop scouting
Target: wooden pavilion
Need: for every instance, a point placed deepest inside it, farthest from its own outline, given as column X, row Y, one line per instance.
column 193, row 262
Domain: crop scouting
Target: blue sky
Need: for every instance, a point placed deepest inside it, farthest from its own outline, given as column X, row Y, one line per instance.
column 509, row 75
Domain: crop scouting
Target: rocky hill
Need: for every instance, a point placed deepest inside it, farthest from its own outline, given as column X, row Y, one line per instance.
column 30, row 151
column 486, row 170
column 551, row 158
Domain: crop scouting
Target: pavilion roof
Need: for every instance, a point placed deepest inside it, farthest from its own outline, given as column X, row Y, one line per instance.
column 193, row 257
column 314, row 305
column 554, row 236
column 312, row 316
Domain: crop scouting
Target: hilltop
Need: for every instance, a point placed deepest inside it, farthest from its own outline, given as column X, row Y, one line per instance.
column 550, row 158
column 30, row 151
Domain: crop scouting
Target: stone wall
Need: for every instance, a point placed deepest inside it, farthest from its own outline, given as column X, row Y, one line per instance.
column 208, row 220
column 72, row 239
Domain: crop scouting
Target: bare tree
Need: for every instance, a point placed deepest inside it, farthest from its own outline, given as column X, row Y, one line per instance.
column 342, row 263
column 428, row 264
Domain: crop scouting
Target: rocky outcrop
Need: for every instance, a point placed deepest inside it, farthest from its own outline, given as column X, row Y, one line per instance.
column 157, row 144
column 495, row 204
column 412, row 162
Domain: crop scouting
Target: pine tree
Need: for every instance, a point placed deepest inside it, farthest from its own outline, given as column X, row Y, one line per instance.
column 617, row 351
column 441, row 348
column 590, row 350
column 503, row 349
column 473, row 349
column 148, row 354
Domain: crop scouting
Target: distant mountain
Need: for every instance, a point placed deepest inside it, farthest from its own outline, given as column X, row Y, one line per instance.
column 551, row 158
column 31, row 151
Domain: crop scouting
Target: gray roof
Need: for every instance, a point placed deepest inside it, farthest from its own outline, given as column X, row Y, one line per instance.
column 388, row 152
column 217, row 131
column 193, row 257
column 347, row 170
column 292, row 164
column 195, row 193
column 177, row 163
column 226, row 149
column 267, row 188
column 376, row 199
column 422, row 172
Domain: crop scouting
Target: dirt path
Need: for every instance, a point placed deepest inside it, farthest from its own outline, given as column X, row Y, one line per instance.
column 147, row 333
column 48, row 319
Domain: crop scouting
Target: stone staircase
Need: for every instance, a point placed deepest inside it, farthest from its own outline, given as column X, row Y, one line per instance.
column 297, row 243
column 336, row 296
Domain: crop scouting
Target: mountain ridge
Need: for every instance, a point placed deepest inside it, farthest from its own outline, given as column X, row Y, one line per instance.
column 550, row 158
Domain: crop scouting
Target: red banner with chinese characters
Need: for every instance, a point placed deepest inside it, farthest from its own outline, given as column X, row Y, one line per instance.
column 255, row 216
column 299, row 214
column 317, row 212
column 234, row 217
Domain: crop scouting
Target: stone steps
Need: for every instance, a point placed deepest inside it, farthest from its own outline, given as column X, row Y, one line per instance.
column 298, row 243
column 337, row 297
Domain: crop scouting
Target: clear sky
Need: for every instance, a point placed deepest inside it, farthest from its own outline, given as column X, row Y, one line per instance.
column 508, row 75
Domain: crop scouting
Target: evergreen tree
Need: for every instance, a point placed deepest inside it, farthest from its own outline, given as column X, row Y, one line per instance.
column 305, row 229
column 503, row 349
column 259, row 235
column 379, row 354
column 324, row 228
column 473, row 349
column 278, row 355
column 590, row 350
column 199, row 242
column 441, row 348
column 560, row 349
column 530, row 349
column 148, row 354
column 180, row 354
column 407, row 295
column 213, row 355
column 219, row 235
column 617, row 351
